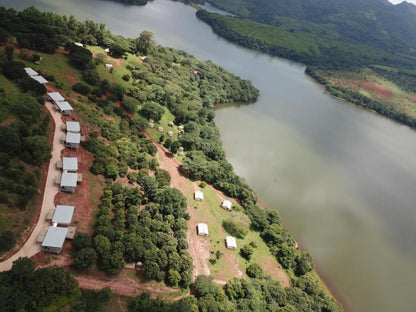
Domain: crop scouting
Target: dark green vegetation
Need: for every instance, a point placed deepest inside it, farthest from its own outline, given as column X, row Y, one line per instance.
column 24, row 288
column 137, row 2
column 330, row 36
column 24, row 145
column 257, row 294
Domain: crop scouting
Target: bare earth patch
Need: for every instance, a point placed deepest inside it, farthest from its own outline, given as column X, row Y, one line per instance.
column 377, row 89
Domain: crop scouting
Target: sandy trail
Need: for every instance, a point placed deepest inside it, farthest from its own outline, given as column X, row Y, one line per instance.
column 31, row 247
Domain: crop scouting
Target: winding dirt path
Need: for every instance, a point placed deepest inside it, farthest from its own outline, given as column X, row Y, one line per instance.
column 31, row 247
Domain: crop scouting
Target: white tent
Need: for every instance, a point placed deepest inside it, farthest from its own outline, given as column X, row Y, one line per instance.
column 199, row 195
column 203, row 229
column 231, row 242
column 226, row 204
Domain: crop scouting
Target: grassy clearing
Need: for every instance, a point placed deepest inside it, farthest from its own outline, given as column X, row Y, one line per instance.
column 227, row 267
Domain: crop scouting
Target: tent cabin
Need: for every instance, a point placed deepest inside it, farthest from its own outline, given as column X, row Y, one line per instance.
column 68, row 182
column 30, row 72
column 72, row 126
column 70, row 164
column 63, row 215
column 64, row 107
column 79, row 44
column 108, row 66
column 107, row 50
column 226, row 204
column 54, row 239
column 230, row 242
column 199, row 195
column 202, row 229
column 40, row 79
column 72, row 140
column 56, row 97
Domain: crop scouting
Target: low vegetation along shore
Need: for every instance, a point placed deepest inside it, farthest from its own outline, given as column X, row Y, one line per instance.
column 150, row 142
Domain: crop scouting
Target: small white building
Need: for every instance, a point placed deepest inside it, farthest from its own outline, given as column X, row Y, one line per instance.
column 199, row 195
column 54, row 239
column 30, row 72
column 226, row 204
column 63, row 215
column 108, row 66
column 56, row 97
column 107, row 50
column 202, row 229
column 79, row 44
column 72, row 140
column 231, row 242
column 64, row 107
column 40, row 79
column 73, row 126
column 68, row 182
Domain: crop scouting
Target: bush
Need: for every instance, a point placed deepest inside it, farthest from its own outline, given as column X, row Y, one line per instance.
column 91, row 76
column 81, row 241
column 254, row 271
column 130, row 104
column 81, row 88
column 7, row 240
column 126, row 77
column 246, row 251
column 85, row 259
column 237, row 226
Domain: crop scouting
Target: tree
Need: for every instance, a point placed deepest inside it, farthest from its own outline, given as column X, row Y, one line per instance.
column 79, row 56
column 82, row 240
column 173, row 278
column 304, row 264
column 153, row 110
column 130, row 104
column 9, row 53
column 81, row 88
column 144, row 43
column 171, row 201
column 152, row 271
column 174, row 147
column 91, row 76
column 9, row 140
column 85, row 259
column 116, row 50
column 162, row 177
column 7, row 240
column 14, row 70
column 254, row 271
column 246, row 251
column 102, row 243
column 28, row 84
column 39, row 149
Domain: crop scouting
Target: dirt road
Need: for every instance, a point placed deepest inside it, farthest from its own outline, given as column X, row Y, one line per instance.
column 31, row 247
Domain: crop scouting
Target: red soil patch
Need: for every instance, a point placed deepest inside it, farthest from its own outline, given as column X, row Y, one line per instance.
column 7, row 122
column 377, row 89
column 71, row 79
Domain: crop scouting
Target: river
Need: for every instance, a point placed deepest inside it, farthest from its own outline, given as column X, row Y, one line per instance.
column 343, row 178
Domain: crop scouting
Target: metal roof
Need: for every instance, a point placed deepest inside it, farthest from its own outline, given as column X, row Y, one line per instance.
column 69, row 179
column 40, row 79
column 70, row 163
column 231, row 242
column 63, row 214
column 73, row 126
column 64, row 106
column 55, row 237
column 56, row 96
column 202, row 229
column 31, row 71
column 73, row 137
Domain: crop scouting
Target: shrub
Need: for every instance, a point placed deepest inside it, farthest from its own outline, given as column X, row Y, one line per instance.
column 238, row 225
column 81, row 88
column 81, row 241
column 85, row 259
column 7, row 240
column 246, row 251
column 254, row 271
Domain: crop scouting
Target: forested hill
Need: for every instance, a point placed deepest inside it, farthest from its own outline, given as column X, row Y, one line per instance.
column 375, row 22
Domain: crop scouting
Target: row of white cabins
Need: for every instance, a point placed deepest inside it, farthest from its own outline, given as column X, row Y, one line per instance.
column 202, row 228
column 53, row 238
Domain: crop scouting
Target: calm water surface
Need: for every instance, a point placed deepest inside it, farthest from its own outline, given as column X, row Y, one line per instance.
column 343, row 178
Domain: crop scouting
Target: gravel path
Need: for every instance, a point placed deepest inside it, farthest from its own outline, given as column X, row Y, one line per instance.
column 31, row 247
